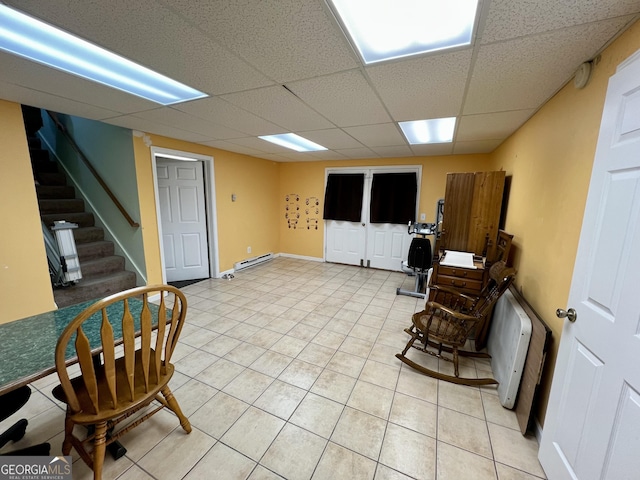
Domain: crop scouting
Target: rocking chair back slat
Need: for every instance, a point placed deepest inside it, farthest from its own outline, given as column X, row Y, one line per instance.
column 157, row 360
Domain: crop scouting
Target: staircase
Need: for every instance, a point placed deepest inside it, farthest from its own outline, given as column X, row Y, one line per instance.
column 103, row 273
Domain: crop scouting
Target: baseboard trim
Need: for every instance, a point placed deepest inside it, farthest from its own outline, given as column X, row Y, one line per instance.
column 300, row 257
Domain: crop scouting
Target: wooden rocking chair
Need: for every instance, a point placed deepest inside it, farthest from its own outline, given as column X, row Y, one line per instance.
column 449, row 320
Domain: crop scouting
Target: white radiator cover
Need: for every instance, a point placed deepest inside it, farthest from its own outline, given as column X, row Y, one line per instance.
column 508, row 343
column 250, row 262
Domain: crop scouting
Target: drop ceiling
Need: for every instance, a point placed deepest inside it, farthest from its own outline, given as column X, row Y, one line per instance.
column 278, row 66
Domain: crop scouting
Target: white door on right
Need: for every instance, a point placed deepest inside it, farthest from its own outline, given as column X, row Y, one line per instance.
column 592, row 426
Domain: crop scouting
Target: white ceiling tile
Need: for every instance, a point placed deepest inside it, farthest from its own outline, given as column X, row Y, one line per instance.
column 148, row 126
column 491, row 125
column 258, row 144
column 344, row 98
column 422, row 88
column 285, row 39
column 381, row 135
column 231, row 147
column 524, row 73
column 394, row 151
column 357, row 152
column 19, row 94
column 432, row 149
column 170, row 117
column 517, row 18
column 216, row 110
column 476, row 146
column 332, row 138
column 277, row 105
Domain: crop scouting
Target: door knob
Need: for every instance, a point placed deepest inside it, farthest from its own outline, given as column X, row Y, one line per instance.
column 570, row 314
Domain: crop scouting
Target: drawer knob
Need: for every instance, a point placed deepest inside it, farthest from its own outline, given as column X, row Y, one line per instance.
column 463, row 284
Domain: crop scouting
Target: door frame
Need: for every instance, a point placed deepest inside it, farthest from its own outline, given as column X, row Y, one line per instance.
column 368, row 177
column 209, row 200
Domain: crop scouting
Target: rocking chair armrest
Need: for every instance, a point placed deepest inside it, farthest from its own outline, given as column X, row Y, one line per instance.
column 449, row 311
column 453, row 291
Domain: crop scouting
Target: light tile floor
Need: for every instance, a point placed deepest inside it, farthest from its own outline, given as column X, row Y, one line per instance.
column 288, row 371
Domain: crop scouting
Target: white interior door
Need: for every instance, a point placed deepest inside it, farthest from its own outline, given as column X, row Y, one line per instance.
column 592, row 426
column 375, row 245
column 183, row 219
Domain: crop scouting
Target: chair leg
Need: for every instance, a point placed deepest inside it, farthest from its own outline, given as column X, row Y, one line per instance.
column 99, row 448
column 173, row 405
column 68, row 432
column 456, row 372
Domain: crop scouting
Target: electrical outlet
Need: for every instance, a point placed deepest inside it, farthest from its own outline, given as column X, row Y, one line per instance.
column 423, row 217
column 248, row 249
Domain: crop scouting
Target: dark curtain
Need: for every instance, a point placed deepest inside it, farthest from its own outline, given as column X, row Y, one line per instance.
column 393, row 198
column 343, row 197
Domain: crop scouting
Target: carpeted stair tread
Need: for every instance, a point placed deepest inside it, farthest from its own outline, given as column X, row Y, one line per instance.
column 83, row 219
column 88, row 235
column 47, row 178
column 61, row 205
column 94, row 287
column 101, row 266
column 46, row 192
column 92, row 250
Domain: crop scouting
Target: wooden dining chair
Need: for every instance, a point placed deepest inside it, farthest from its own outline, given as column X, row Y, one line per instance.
column 117, row 382
column 448, row 322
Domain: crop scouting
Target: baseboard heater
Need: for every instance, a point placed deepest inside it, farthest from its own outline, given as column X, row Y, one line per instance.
column 508, row 342
column 250, row 262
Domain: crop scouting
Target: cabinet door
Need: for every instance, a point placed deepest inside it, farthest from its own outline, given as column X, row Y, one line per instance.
column 458, row 200
column 485, row 210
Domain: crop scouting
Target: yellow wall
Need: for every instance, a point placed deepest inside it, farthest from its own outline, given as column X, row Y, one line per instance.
column 250, row 221
column 550, row 160
column 25, row 287
column 306, row 179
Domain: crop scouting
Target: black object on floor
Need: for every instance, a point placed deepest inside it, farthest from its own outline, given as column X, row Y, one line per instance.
column 185, row 283
column 10, row 403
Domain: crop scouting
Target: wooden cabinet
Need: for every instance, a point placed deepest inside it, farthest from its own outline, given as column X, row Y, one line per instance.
column 472, row 206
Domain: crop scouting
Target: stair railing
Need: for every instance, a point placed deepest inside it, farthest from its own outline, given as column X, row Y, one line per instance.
column 95, row 173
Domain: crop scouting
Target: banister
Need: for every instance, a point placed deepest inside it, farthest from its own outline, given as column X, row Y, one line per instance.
column 95, row 173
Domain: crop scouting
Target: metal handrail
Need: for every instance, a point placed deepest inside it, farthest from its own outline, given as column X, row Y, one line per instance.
column 95, row 173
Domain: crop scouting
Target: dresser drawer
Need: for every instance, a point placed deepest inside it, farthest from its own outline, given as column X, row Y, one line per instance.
column 464, row 284
column 470, row 273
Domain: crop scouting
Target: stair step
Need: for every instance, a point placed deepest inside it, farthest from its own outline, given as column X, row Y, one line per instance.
column 92, row 250
column 63, row 205
column 46, row 178
column 87, row 235
column 41, row 156
column 94, row 288
column 102, row 266
column 83, row 219
column 55, row 191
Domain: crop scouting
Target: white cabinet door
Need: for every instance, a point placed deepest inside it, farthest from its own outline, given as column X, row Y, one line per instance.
column 592, row 426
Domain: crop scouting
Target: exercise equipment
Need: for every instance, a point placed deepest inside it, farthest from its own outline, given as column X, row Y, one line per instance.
column 419, row 259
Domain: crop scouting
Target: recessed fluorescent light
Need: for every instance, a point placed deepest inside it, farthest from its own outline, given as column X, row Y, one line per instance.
column 384, row 30
column 436, row 130
column 27, row 37
column 294, row 142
